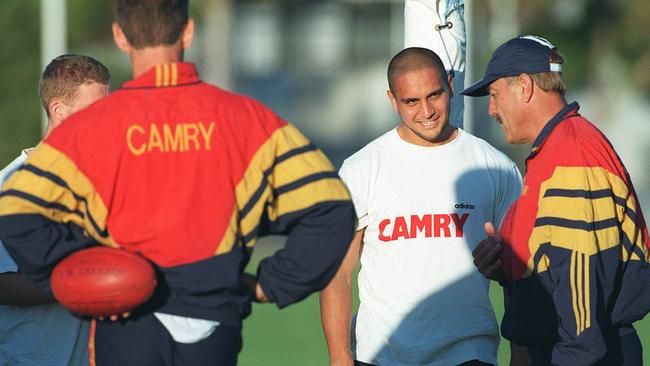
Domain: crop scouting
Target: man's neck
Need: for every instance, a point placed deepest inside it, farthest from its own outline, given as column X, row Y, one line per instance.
column 51, row 124
column 144, row 59
column 543, row 111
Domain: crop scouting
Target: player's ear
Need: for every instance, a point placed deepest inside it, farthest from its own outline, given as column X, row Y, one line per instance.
column 527, row 85
column 450, row 80
column 393, row 101
column 120, row 38
column 187, row 37
column 56, row 109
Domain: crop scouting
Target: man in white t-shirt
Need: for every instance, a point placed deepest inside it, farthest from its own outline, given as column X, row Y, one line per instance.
column 422, row 193
column 34, row 329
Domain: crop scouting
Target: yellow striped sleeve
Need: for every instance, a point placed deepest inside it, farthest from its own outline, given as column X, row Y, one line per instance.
column 50, row 185
column 585, row 209
column 324, row 190
column 293, row 169
column 253, row 192
column 304, row 179
column 286, row 174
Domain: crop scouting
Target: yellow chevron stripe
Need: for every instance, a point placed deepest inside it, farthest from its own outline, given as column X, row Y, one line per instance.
column 250, row 182
column 12, row 205
column 283, row 140
column 51, row 160
column 573, row 239
column 158, row 76
column 588, row 178
column 293, row 168
column 308, row 195
column 582, row 209
column 252, row 219
column 288, row 138
column 636, row 237
column 174, row 81
column 589, row 243
column 229, row 238
column 44, row 189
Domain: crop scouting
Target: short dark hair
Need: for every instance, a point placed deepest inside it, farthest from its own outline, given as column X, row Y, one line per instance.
column 64, row 74
column 414, row 58
column 150, row 23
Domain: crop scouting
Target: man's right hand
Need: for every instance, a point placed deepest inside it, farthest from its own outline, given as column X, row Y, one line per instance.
column 250, row 282
column 487, row 254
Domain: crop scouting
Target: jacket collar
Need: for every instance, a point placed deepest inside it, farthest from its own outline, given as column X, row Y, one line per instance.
column 165, row 75
column 569, row 110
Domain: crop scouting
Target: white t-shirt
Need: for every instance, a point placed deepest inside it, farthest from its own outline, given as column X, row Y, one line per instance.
column 422, row 300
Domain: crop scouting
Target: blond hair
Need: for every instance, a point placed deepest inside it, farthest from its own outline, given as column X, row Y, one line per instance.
column 63, row 76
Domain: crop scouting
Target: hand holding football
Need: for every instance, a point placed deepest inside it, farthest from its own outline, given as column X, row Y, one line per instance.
column 103, row 281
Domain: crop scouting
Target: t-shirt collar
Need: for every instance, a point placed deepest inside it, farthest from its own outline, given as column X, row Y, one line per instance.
column 165, row 75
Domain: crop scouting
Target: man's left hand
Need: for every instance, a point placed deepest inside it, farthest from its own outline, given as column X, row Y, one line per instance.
column 487, row 254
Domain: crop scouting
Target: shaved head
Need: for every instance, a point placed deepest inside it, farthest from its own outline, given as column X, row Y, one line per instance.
column 412, row 59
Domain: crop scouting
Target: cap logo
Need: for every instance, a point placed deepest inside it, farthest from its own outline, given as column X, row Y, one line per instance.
column 540, row 40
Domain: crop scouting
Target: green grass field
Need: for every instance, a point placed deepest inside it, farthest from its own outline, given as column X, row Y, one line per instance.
column 293, row 336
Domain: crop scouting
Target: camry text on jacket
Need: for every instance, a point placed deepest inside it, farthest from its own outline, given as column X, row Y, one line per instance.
column 165, row 137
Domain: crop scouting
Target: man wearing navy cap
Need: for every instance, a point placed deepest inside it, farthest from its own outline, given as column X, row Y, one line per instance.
column 572, row 251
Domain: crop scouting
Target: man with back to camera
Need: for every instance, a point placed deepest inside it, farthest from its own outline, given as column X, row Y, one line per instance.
column 572, row 252
column 34, row 330
column 189, row 176
column 422, row 192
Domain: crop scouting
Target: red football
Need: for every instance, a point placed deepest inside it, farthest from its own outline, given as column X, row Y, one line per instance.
column 102, row 281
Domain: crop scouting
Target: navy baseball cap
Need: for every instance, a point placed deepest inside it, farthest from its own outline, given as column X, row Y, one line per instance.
column 520, row 55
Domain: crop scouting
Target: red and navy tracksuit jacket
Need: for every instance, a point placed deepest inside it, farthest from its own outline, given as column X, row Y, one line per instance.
column 578, row 258
column 189, row 176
